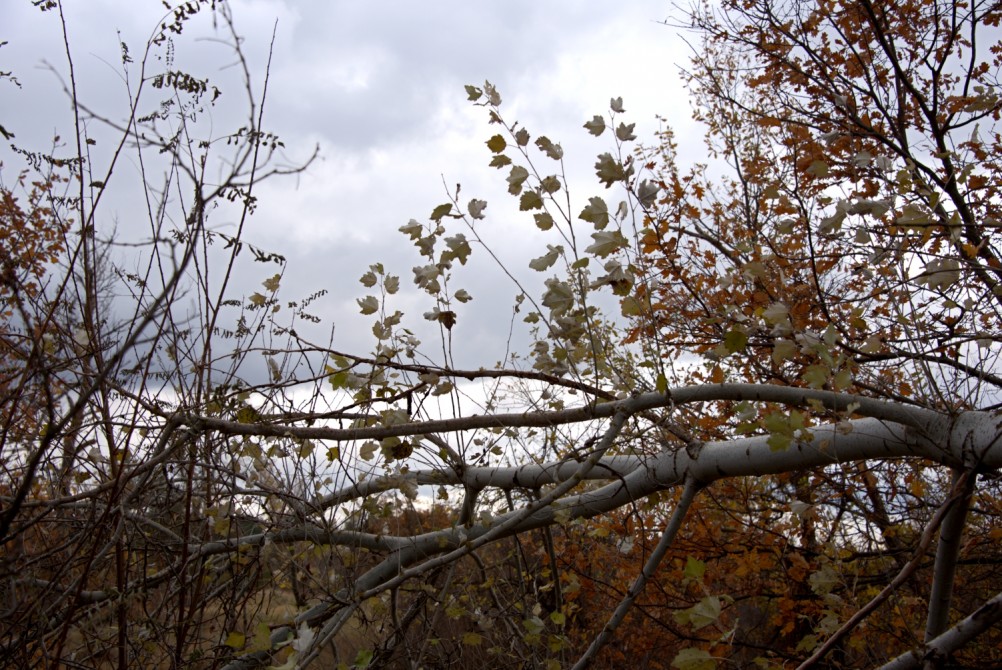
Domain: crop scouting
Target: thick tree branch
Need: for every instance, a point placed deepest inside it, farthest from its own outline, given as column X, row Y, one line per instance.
column 878, row 409
column 940, row 648
column 947, row 553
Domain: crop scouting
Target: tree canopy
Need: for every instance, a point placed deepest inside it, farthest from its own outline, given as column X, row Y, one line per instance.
column 757, row 424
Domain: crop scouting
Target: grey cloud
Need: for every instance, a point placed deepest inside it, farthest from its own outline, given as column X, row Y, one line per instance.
column 412, row 57
column 366, row 79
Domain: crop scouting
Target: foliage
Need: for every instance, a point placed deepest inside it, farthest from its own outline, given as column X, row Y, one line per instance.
column 783, row 433
column 851, row 245
column 26, row 319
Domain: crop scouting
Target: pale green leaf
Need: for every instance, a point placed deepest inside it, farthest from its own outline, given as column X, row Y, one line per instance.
column 874, row 207
column 702, row 614
column 368, row 280
column 842, row 380
column 914, row 216
column 442, row 389
column 441, row 211
column 473, row 93
column 940, row 273
column 262, row 638
column 610, row 171
column 694, row 569
column 413, row 229
column 306, row 449
column 368, row 450
column 530, row 200
column 735, row 341
column 800, row 508
column 496, row 144
column 823, row 581
column 606, row 242
column 596, row 212
column 516, row 178
column 338, row 380
column 753, row 270
column 596, row 126
column 272, row 283
column 624, row 132
column 493, row 96
column 815, row 376
column 426, row 245
column 458, row 249
column 818, row 169
column 661, row 383
column 829, row 623
column 476, row 208
column 630, row 306
column 548, row 259
column 235, row 640
column 559, row 297
column 368, row 305
column 534, row 624
column 694, row 659
column 362, row 659
column 872, row 344
column 618, row 277
column 426, row 277
column 543, row 220
column 446, row 317
column 647, row 193
column 776, row 313
column 832, row 224
column 779, row 442
column 550, row 184
column 554, row 151
column 783, row 350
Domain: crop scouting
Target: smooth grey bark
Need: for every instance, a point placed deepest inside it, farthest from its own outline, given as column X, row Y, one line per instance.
column 968, row 441
column 529, row 476
column 947, row 553
column 956, row 637
column 907, row 415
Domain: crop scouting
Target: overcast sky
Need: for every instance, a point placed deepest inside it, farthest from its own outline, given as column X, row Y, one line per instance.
column 378, row 84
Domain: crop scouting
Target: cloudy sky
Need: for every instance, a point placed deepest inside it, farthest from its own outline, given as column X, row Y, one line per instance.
column 378, row 85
